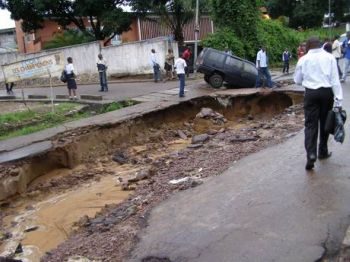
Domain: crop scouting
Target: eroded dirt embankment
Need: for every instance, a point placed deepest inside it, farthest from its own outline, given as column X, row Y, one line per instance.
column 157, row 149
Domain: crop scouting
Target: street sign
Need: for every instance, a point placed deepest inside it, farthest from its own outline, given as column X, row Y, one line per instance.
column 47, row 65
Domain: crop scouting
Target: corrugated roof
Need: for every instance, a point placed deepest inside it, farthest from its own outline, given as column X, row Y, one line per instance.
column 152, row 28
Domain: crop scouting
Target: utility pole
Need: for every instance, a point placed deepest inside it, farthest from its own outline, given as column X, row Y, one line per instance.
column 329, row 20
column 196, row 32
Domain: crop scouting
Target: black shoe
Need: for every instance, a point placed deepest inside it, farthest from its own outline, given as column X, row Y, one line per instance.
column 324, row 156
column 310, row 164
column 100, row 90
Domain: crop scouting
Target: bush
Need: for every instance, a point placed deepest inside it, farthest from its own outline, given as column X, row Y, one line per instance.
column 276, row 37
column 69, row 37
column 224, row 38
column 270, row 33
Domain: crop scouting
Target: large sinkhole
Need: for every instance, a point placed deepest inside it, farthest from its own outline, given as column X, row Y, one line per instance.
column 86, row 168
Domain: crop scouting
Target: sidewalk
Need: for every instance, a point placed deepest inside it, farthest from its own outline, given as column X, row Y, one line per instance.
column 266, row 207
column 166, row 96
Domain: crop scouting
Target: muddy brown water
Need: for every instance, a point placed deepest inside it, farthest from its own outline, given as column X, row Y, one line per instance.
column 50, row 217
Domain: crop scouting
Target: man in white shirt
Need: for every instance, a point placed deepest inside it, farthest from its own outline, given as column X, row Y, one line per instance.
column 155, row 65
column 262, row 66
column 102, row 71
column 317, row 72
column 336, row 52
column 180, row 65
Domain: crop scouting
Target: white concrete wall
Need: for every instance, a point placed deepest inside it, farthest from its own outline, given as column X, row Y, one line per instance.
column 125, row 59
column 134, row 58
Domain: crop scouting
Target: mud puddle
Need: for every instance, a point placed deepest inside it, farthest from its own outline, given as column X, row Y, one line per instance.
column 42, row 223
column 194, row 140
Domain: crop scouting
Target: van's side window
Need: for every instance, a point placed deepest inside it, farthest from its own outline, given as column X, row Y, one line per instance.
column 230, row 61
column 216, row 58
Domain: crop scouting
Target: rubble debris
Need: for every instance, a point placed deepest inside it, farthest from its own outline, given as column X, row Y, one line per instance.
column 121, row 158
column 181, row 134
column 199, row 138
column 31, row 228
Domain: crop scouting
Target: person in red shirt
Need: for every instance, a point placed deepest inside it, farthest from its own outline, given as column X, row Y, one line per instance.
column 187, row 55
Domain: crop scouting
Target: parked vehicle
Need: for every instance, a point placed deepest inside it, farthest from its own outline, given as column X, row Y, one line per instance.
column 218, row 67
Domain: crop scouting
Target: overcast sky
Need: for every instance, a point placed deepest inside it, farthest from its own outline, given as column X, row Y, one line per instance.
column 5, row 20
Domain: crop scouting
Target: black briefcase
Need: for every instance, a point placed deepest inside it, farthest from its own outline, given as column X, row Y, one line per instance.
column 330, row 121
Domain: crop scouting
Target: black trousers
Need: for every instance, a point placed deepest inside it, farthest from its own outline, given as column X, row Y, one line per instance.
column 286, row 66
column 317, row 103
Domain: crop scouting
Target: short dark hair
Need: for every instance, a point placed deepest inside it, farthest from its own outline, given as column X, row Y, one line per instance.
column 70, row 60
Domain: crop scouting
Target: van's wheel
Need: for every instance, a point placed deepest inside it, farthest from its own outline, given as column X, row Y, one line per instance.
column 206, row 79
column 216, row 81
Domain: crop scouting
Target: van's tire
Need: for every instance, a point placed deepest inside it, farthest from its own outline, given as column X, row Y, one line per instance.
column 206, row 78
column 216, row 81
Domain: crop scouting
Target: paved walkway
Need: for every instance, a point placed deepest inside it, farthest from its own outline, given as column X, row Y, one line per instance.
column 266, row 208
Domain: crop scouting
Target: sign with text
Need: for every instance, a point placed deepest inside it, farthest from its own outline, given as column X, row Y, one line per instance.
column 34, row 67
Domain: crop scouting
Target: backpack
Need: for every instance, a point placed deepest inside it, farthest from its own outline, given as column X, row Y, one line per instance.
column 63, row 77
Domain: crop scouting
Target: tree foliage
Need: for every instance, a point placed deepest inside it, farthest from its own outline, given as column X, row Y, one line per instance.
column 307, row 13
column 106, row 18
column 241, row 17
column 225, row 39
column 67, row 38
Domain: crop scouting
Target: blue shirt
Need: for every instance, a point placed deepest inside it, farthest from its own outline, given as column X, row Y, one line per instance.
column 347, row 48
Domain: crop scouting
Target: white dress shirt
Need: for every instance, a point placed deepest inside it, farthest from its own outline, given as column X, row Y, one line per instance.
column 336, row 49
column 316, row 69
column 261, row 56
column 69, row 69
column 153, row 59
column 102, row 62
column 180, row 65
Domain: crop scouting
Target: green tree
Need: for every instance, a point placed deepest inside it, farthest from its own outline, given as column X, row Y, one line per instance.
column 69, row 37
column 241, row 17
column 306, row 13
column 106, row 17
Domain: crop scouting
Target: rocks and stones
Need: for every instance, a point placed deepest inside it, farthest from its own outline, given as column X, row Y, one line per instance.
column 181, row 134
column 140, row 175
column 19, row 249
column 250, row 117
column 5, row 235
column 179, row 181
column 31, row 228
column 200, row 138
column 208, row 113
column 194, row 146
column 78, row 259
column 83, row 222
column 7, row 259
column 121, row 158
column 243, row 139
column 205, row 113
column 125, row 186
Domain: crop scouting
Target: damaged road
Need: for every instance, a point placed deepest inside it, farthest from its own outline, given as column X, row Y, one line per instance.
column 266, row 207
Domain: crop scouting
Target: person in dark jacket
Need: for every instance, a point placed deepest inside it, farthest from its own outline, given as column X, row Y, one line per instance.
column 286, row 56
column 102, row 71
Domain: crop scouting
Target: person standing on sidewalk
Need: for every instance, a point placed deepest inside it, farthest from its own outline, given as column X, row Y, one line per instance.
column 317, row 72
column 286, row 56
column 336, row 52
column 346, row 48
column 70, row 76
column 262, row 66
column 180, row 65
column 102, row 71
column 169, row 64
column 9, row 87
column 155, row 64
column 186, row 55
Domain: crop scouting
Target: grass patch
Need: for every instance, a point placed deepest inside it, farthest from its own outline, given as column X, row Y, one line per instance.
column 27, row 122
